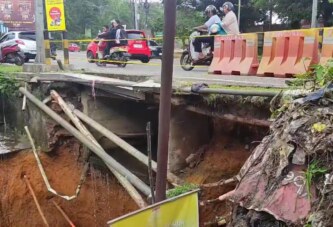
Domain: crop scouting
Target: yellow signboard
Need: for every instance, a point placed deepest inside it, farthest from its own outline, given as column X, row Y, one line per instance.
column 55, row 15
column 181, row 211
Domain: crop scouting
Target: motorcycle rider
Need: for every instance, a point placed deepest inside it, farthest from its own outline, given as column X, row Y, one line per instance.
column 229, row 22
column 114, row 36
column 211, row 12
column 109, row 37
column 121, row 36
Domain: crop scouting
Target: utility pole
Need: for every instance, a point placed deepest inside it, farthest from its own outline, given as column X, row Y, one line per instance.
column 239, row 10
column 169, row 32
column 39, row 26
column 314, row 13
column 136, row 15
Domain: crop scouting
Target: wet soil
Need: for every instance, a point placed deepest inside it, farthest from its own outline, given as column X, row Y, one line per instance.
column 100, row 200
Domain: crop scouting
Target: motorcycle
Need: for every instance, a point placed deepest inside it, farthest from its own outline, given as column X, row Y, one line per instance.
column 118, row 56
column 187, row 60
column 12, row 54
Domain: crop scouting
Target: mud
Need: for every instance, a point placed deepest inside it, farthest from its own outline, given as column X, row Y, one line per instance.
column 227, row 151
column 97, row 203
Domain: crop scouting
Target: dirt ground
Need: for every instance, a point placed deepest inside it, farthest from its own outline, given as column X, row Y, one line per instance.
column 97, row 203
column 226, row 154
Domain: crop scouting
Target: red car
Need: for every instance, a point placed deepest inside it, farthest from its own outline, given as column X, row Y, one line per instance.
column 73, row 47
column 137, row 47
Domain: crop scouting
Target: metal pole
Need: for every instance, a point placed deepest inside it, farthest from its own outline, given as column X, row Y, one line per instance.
column 314, row 13
column 39, row 26
column 136, row 15
column 165, row 98
column 65, row 47
column 239, row 11
column 150, row 171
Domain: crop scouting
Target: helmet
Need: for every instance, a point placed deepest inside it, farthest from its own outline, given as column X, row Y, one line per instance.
column 211, row 9
column 228, row 5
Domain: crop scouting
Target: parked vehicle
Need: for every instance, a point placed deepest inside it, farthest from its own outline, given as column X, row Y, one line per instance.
column 26, row 41
column 138, row 45
column 73, row 47
column 137, row 48
column 187, row 60
column 118, row 56
column 12, row 54
column 155, row 49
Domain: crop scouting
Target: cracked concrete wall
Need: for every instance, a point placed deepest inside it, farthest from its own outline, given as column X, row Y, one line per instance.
column 120, row 116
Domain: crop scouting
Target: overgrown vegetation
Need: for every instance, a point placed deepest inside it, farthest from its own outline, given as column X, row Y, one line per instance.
column 318, row 76
column 313, row 171
column 179, row 190
column 10, row 69
column 8, row 84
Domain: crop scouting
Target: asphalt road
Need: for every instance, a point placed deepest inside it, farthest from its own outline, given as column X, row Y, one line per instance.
column 153, row 69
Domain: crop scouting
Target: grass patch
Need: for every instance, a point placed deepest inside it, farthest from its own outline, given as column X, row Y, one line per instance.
column 179, row 190
column 10, row 69
column 313, row 171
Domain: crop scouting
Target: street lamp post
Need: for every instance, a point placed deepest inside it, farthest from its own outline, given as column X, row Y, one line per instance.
column 314, row 13
column 239, row 10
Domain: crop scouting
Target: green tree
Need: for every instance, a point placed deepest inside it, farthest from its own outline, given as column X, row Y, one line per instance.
column 186, row 20
column 291, row 11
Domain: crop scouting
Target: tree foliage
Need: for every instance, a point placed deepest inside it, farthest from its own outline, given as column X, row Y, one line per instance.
column 290, row 11
column 86, row 14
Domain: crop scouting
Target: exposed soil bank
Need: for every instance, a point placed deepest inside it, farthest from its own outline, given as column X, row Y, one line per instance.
column 98, row 202
column 229, row 148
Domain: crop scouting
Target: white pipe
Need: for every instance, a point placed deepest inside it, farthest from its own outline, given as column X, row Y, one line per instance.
column 123, row 144
column 135, row 195
column 138, row 183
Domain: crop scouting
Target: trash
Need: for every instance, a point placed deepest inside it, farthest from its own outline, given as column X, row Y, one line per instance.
column 198, row 87
column 288, row 178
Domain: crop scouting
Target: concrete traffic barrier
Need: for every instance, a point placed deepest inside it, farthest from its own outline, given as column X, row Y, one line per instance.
column 236, row 55
column 327, row 48
column 287, row 53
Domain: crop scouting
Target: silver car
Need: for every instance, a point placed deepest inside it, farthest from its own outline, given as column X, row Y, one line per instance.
column 26, row 40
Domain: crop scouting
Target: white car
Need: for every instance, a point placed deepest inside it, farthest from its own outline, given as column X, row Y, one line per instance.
column 26, row 40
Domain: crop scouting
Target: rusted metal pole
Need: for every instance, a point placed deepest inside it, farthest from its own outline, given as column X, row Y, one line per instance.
column 165, row 97
column 35, row 200
column 150, row 171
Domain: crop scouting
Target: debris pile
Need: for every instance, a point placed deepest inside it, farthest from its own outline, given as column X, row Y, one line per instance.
column 288, row 179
